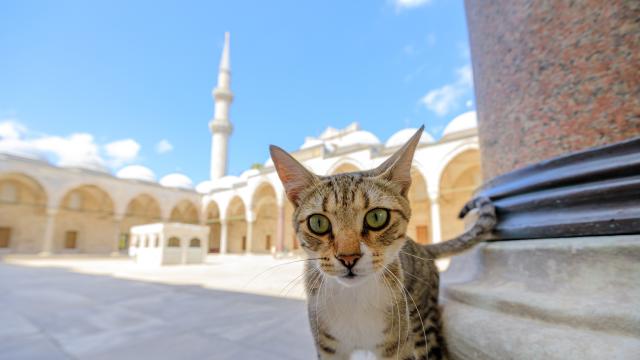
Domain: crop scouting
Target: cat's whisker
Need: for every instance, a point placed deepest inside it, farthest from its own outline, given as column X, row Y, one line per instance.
column 399, row 320
column 416, row 256
column 415, row 277
column 424, row 333
column 276, row 266
column 289, row 283
column 391, row 293
column 404, row 296
column 310, row 270
column 314, row 276
column 294, row 279
column 318, row 301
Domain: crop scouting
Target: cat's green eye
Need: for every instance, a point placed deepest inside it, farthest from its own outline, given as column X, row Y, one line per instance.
column 319, row 224
column 376, row 219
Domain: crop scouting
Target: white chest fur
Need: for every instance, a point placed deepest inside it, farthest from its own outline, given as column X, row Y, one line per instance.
column 355, row 315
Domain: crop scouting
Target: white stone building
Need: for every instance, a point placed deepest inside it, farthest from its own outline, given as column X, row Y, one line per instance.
column 81, row 207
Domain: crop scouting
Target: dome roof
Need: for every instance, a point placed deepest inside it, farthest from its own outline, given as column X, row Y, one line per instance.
column 22, row 149
column 311, row 142
column 177, row 180
column 136, row 172
column 226, row 182
column 461, row 122
column 402, row 136
column 205, row 187
column 247, row 173
column 359, row 137
column 87, row 162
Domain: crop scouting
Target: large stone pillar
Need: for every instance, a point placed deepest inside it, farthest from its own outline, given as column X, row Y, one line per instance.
column 223, row 236
column 251, row 220
column 553, row 77
column 280, row 229
column 49, row 232
column 115, row 245
column 436, row 230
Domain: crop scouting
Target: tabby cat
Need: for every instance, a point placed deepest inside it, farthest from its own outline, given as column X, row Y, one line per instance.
column 369, row 286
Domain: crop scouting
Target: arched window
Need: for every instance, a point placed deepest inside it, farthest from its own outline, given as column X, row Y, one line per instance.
column 194, row 243
column 156, row 240
column 173, row 242
column 146, row 241
column 75, row 201
column 5, row 237
column 71, row 239
column 9, row 193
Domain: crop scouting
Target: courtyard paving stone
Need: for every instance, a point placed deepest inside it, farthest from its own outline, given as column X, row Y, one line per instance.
column 84, row 308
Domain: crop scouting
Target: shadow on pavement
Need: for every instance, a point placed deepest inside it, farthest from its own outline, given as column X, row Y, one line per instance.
column 53, row 313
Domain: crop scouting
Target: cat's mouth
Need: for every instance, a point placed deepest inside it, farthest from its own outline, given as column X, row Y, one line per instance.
column 351, row 279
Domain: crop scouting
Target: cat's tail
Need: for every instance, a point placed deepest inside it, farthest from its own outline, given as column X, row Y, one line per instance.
column 483, row 226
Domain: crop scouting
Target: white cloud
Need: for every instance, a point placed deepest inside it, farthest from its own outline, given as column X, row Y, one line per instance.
column 465, row 76
column 77, row 149
column 442, row 100
column 164, row 146
column 122, row 151
column 408, row 4
column 11, row 129
column 447, row 98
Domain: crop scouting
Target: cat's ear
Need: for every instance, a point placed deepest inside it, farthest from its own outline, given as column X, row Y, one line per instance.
column 294, row 176
column 397, row 168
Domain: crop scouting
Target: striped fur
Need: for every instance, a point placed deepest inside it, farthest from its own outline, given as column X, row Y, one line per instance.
column 388, row 302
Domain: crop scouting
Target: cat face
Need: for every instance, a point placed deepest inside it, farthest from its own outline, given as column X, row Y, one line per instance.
column 352, row 224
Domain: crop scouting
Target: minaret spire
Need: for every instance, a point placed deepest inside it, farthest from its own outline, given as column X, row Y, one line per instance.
column 220, row 125
column 225, row 62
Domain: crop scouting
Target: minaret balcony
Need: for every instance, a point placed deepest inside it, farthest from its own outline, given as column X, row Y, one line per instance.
column 223, row 94
column 220, row 126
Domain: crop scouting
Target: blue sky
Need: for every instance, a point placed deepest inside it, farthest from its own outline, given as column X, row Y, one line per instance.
column 115, row 78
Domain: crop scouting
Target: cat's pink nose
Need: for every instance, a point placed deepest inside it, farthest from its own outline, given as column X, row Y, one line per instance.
column 349, row 261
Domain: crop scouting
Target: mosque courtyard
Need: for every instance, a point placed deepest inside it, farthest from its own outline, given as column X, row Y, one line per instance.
column 81, row 307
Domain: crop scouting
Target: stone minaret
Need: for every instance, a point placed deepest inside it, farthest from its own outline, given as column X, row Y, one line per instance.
column 220, row 125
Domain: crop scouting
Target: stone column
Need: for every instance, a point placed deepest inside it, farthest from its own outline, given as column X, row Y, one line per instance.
column 436, row 231
column 223, row 236
column 251, row 220
column 49, row 232
column 553, row 77
column 115, row 246
column 280, row 229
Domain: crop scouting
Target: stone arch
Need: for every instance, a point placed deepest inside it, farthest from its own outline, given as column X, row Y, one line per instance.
column 419, row 228
column 459, row 179
column 236, row 226
column 23, row 202
column 141, row 209
column 184, row 211
column 212, row 220
column 449, row 156
column 344, row 166
column 290, row 240
column 265, row 208
column 85, row 222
